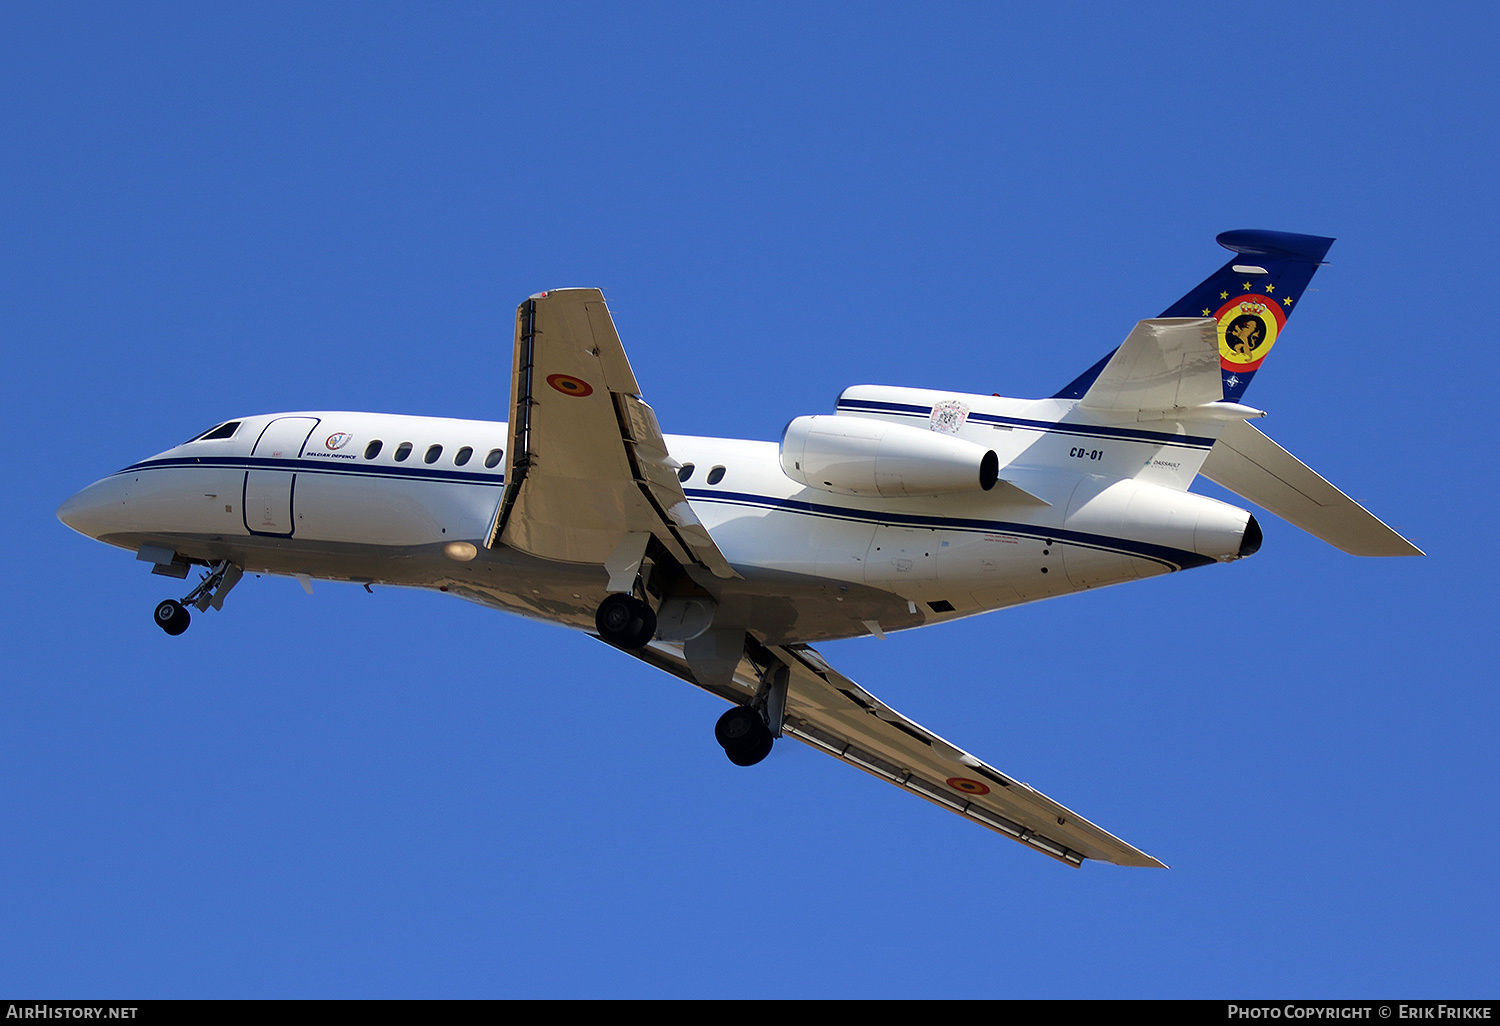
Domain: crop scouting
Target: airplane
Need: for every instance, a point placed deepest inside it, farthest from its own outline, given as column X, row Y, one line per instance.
column 721, row 561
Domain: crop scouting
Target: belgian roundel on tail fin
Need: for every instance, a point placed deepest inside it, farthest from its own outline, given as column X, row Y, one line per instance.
column 1250, row 297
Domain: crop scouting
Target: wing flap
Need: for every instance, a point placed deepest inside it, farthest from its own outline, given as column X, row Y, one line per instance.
column 1258, row 470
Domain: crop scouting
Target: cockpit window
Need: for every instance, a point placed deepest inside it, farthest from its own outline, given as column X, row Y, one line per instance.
column 221, row 431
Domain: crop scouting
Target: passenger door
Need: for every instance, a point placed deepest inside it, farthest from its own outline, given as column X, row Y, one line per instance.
column 269, row 491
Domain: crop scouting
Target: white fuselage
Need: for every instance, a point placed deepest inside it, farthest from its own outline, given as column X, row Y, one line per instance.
column 1081, row 504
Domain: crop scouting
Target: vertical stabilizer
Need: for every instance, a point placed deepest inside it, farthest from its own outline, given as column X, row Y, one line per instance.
column 1250, row 299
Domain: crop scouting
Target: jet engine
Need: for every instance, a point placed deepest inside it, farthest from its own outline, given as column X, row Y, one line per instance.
column 864, row 456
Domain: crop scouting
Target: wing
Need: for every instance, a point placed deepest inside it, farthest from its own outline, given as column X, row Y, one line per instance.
column 1255, row 468
column 588, row 465
column 829, row 712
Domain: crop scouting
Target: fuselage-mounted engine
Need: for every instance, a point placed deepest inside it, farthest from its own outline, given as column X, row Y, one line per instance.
column 864, row 456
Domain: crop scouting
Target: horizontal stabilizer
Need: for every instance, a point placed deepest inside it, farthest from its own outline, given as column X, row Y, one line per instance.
column 1258, row 470
column 1163, row 364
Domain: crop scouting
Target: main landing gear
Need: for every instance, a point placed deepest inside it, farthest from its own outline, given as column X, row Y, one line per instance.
column 625, row 621
column 743, row 733
column 172, row 616
column 747, row 732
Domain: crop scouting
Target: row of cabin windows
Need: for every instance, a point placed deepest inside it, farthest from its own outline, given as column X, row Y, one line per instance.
column 434, row 453
column 402, row 453
column 715, row 475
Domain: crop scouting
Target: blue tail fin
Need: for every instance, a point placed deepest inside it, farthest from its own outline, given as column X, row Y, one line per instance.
column 1251, row 297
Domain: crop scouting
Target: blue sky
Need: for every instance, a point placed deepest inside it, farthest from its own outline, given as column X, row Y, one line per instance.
column 214, row 211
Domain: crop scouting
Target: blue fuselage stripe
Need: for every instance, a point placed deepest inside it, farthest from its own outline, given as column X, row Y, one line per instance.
column 1171, row 558
column 322, row 466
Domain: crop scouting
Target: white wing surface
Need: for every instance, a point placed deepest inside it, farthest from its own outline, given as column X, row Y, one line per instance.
column 1255, row 468
column 1169, row 363
column 829, row 712
column 587, row 463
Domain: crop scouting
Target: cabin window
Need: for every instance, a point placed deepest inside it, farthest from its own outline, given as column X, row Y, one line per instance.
column 402, row 451
column 684, row 472
column 373, row 449
column 493, row 459
column 433, row 452
column 462, row 456
column 716, row 475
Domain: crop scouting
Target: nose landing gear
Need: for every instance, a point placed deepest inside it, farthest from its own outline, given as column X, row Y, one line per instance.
column 172, row 616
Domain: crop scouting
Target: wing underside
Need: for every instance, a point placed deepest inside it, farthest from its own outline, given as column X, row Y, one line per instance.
column 829, row 712
column 587, row 462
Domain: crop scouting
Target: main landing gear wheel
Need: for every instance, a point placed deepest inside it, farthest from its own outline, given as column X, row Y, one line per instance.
column 172, row 617
column 625, row 622
column 744, row 735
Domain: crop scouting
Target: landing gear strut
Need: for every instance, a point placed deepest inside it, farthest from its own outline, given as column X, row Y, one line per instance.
column 747, row 732
column 172, row 616
column 625, row 621
column 744, row 735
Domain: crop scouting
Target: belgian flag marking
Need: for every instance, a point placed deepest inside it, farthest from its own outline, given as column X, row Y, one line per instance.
column 569, row 385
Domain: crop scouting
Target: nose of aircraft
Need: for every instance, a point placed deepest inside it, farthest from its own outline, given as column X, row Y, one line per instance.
column 90, row 511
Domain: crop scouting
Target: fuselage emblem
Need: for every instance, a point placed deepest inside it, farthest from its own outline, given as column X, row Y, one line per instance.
column 338, row 440
column 948, row 416
column 569, row 385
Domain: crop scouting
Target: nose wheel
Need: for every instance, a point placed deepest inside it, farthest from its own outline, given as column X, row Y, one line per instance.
column 172, row 617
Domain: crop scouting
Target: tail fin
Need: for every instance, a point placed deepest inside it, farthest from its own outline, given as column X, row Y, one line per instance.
column 1250, row 297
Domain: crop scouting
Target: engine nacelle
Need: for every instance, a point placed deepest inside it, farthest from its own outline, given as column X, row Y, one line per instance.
column 864, row 456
